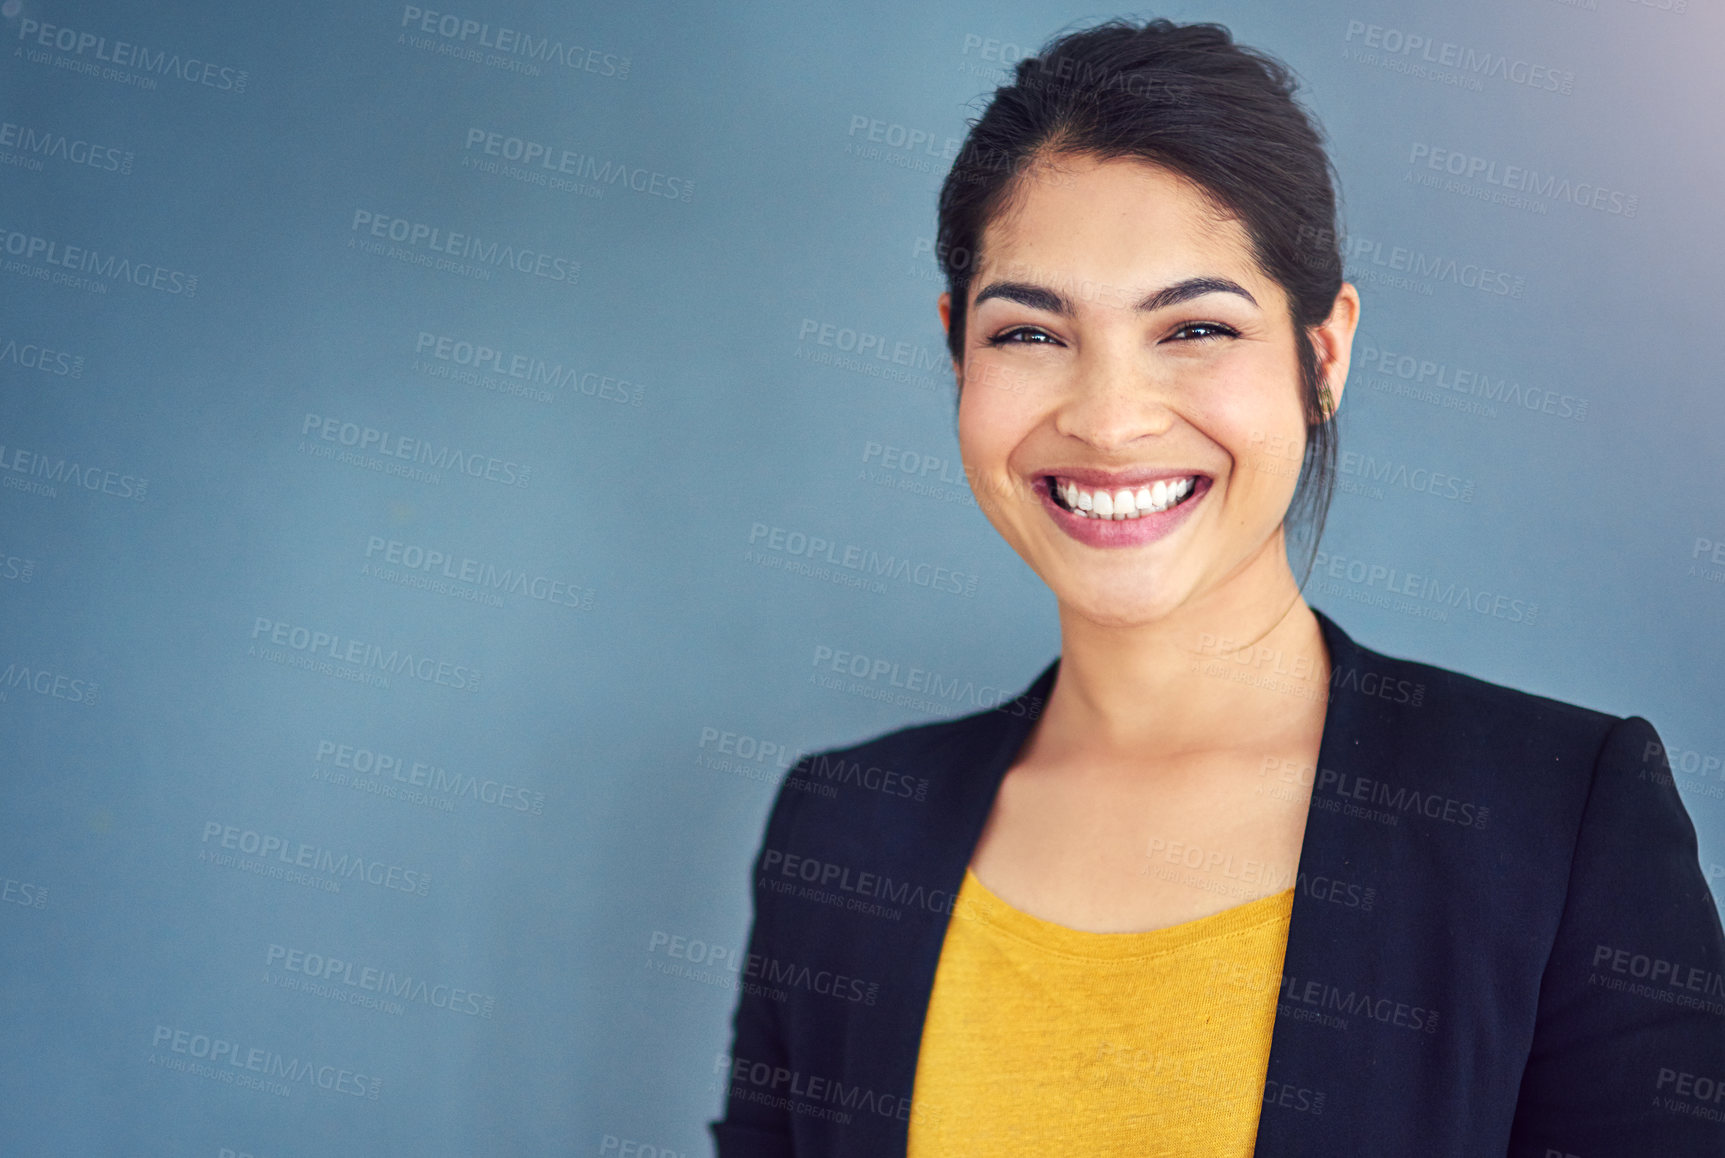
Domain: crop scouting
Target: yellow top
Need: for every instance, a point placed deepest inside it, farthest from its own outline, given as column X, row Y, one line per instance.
column 1042, row 1039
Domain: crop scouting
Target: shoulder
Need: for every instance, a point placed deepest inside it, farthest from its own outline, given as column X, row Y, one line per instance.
column 1521, row 772
column 1451, row 715
column 1498, row 811
column 905, row 787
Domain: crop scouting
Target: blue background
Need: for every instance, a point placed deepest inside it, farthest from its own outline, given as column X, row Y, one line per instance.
column 610, row 664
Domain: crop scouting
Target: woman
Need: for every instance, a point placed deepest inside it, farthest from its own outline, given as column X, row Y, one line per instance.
column 1228, row 878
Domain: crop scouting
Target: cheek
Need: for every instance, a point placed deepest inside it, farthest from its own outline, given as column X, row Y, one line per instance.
column 993, row 422
column 1250, row 432
column 992, row 419
column 1256, row 417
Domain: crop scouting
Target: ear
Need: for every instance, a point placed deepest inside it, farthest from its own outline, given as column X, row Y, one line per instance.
column 944, row 304
column 1334, row 339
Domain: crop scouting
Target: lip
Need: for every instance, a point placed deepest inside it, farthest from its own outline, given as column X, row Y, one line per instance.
column 1120, row 532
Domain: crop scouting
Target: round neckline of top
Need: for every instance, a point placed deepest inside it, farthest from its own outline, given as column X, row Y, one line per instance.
column 977, row 901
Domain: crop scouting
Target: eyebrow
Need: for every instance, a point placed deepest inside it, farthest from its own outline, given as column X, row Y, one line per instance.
column 1042, row 298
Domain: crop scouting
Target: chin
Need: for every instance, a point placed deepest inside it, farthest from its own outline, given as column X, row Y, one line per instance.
column 1111, row 610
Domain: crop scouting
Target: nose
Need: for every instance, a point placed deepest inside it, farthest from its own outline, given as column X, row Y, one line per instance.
column 1113, row 401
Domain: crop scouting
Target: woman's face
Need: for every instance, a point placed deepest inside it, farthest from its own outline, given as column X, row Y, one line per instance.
column 1130, row 415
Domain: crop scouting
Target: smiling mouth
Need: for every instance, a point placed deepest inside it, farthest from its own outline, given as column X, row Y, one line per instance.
column 1121, row 503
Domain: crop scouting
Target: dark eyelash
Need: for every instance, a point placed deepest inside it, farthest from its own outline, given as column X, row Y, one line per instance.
column 1004, row 338
column 1221, row 331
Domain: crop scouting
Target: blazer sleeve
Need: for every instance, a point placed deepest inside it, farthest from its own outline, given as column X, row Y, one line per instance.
column 1628, row 1052
column 758, row 1127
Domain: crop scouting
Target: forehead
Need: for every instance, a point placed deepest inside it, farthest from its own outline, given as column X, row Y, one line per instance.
column 1120, row 221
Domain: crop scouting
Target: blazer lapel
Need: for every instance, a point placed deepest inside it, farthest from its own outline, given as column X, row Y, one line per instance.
column 1355, row 1010
column 965, row 777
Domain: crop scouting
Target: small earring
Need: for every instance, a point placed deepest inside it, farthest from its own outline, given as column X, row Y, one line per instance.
column 1326, row 403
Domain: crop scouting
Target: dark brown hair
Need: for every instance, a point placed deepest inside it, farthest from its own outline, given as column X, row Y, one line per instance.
column 1189, row 99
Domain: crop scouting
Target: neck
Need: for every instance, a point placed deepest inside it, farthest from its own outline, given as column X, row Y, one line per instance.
column 1246, row 659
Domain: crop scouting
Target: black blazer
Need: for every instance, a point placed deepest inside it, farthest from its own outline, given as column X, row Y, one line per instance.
column 1502, row 941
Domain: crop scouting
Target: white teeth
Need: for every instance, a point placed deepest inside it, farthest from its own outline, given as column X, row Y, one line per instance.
column 1124, row 504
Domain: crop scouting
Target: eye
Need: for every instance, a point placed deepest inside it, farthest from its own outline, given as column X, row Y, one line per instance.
column 1198, row 331
column 1022, row 336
